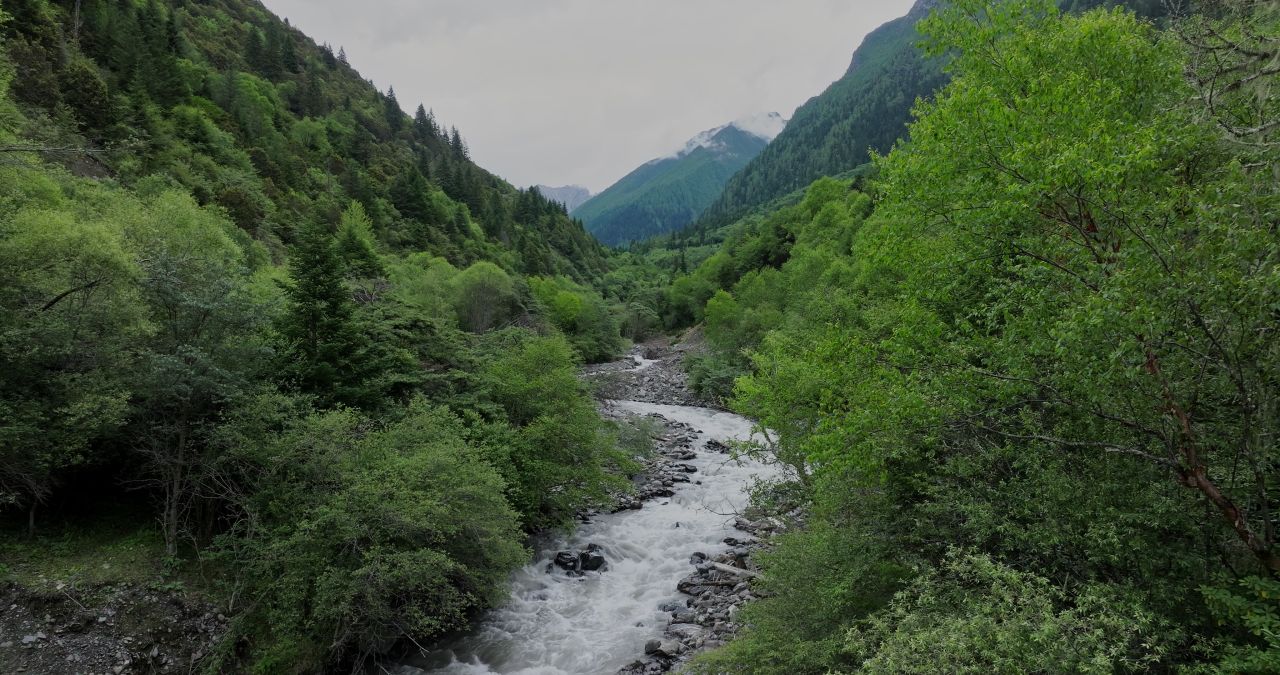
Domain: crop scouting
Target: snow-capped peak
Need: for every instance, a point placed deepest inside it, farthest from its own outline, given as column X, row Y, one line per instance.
column 763, row 125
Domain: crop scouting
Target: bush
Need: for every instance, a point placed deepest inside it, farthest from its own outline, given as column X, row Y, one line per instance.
column 581, row 314
column 975, row 615
column 556, row 453
column 363, row 535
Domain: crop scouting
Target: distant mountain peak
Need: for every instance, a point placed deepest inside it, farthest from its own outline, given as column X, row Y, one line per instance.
column 765, row 126
column 572, row 196
column 668, row 193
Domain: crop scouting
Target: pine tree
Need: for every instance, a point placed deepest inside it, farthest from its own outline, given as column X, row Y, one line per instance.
column 424, row 125
column 458, row 146
column 289, row 55
column 355, row 244
column 391, row 108
column 326, row 55
column 322, row 351
column 342, row 56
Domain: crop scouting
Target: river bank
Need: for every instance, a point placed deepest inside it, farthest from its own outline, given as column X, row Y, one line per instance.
column 643, row 588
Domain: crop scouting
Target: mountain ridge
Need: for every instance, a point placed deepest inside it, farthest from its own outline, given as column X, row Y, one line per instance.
column 667, row 193
column 571, row 196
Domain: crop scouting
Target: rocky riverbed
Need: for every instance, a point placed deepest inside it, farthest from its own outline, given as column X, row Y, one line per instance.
column 652, row 373
column 645, row 585
column 715, row 589
column 718, row 584
column 104, row 630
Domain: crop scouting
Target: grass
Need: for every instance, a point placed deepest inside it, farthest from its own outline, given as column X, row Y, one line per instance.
column 110, row 547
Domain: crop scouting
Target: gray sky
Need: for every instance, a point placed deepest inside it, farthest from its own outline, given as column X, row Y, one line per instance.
column 583, row 91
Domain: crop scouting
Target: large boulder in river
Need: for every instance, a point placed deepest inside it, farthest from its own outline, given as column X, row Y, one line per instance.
column 592, row 559
column 566, row 561
column 660, row 648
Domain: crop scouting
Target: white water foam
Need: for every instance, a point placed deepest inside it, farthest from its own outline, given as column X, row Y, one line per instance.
column 555, row 624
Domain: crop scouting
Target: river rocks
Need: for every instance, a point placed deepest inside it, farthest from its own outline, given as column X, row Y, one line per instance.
column 718, row 587
column 716, row 446
column 663, row 648
column 659, row 378
column 663, row 470
column 577, row 563
column 686, row 632
column 566, row 561
column 592, row 560
column 107, row 628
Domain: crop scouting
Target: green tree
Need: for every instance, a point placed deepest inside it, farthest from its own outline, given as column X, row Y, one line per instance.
column 551, row 445
column 322, row 352
column 365, row 533
column 202, row 352
column 355, row 244
column 68, row 311
column 485, row 297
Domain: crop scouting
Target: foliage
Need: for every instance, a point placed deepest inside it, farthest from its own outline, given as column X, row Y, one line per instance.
column 977, row 616
column 485, row 297
column 247, row 293
column 363, row 533
column 1043, row 336
column 557, row 455
column 1251, row 608
column 581, row 314
column 247, row 113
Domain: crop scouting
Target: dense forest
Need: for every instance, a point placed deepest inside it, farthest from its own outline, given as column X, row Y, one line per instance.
column 292, row 353
column 865, row 111
column 248, row 298
column 1025, row 379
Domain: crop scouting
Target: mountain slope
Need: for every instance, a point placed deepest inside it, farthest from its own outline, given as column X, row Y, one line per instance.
column 572, row 196
column 249, row 114
column 866, row 109
column 668, row 193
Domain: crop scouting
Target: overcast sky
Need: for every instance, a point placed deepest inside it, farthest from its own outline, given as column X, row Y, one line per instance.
column 583, row 91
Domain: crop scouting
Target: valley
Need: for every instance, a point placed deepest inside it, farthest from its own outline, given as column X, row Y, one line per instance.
column 968, row 364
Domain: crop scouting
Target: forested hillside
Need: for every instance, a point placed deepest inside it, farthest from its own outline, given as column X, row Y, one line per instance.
column 269, row 337
column 667, row 194
column 1024, row 379
column 866, row 110
column 278, row 358
column 248, row 114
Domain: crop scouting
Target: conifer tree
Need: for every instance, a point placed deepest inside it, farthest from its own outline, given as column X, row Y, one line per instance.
column 394, row 115
column 424, row 127
column 456, row 144
column 355, row 244
column 322, row 352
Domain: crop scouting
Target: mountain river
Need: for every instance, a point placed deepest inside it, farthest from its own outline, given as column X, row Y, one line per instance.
column 556, row 624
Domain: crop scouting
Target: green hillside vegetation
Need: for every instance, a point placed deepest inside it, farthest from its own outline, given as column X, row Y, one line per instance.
column 667, row 194
column 1024, row 378
column 866, row 110
column 247, row 298
column 248, row 114
column 268, row 341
